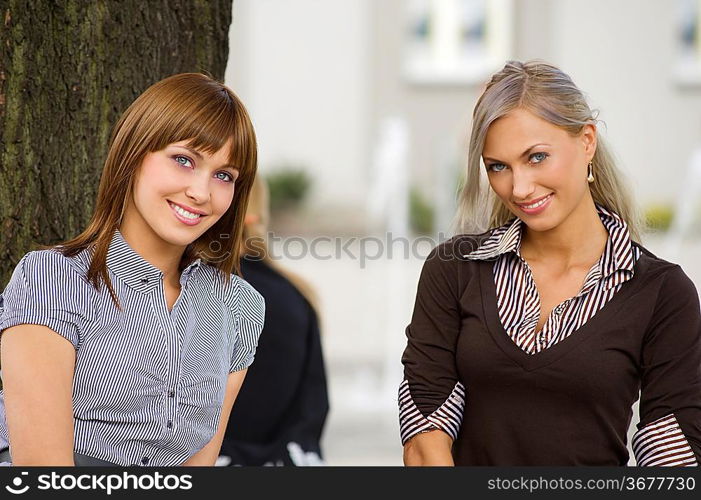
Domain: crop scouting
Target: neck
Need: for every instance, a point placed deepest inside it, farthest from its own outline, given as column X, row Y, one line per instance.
column 581, row 237
column 156, row 252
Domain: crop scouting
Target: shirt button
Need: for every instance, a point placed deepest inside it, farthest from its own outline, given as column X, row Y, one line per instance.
column 170, row 424
column 144, row 280
column 171, row 394
column 144, row 460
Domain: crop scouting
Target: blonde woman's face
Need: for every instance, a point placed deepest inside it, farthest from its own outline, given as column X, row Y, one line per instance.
column 538, row 170
column 179, row 193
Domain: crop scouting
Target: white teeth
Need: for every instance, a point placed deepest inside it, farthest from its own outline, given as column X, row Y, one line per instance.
column 184, row 213
column 536, row 205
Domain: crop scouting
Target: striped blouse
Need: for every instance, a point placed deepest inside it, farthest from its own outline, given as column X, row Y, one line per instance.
column 661, row 442
column 149, row 383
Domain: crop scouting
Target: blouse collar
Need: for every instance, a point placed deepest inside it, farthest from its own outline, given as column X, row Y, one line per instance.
column 618, row 254
column 134, row 270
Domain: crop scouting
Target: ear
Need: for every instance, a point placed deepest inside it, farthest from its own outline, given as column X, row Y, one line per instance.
column 588, row 136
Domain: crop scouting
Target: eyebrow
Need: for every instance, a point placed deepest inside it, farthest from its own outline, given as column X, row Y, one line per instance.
column 199, row 157
column 525, row 153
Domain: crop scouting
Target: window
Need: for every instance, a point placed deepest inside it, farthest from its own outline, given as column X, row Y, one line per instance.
column 457, row 41
column 688, row 70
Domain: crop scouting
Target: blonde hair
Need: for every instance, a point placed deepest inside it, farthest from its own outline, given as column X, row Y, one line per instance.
column 187, row 106
column 549, row 93
column 255, row 238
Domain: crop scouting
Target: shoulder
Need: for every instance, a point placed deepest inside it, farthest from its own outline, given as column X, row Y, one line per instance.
column 251, row 300
column 670, row 279
column 652, row 266
column 448, row 267
column 52, row 265
column 237, row 294
column 453, row 253
column 459, row 246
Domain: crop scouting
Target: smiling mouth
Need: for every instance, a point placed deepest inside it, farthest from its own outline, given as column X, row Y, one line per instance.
column 184, row 213
column 536, row 204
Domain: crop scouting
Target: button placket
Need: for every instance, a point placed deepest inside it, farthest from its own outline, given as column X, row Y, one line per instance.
column 172, row 359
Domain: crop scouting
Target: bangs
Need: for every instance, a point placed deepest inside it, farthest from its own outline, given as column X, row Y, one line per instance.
column 208, row 120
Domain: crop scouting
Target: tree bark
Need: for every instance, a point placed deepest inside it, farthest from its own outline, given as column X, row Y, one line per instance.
column 68, row 68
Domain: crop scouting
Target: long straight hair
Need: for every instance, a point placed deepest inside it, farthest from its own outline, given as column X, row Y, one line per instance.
column 187, row 106
column 549, row 93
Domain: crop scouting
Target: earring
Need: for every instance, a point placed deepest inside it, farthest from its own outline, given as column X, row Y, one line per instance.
column 590, row 177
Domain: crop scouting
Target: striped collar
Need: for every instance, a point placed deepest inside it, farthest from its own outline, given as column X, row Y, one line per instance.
column 134, row 270
column 618, row 254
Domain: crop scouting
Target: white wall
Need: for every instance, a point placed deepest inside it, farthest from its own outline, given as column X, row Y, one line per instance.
column 301, row 69
column 622, row 53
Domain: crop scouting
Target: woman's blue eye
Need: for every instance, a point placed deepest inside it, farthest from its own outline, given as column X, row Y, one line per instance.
column 224, row 176
column 497, row 167
column 538, row 157
column 183, row 160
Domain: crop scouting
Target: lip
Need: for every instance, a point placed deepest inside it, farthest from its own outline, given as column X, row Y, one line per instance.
column 537, row 210
column 187, row 222
column 189, row 209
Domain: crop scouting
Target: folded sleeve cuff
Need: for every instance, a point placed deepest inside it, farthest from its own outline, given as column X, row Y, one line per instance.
column 63, row 326
column 448, row 417
column 662, row 443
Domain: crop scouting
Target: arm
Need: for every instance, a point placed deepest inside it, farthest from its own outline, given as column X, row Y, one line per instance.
column 37, row 372
column 669, row 432
column 207, row 456
column 431, row 397
column 429, row 448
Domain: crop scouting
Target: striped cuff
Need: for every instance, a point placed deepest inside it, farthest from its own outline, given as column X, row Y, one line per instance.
column 447, row 417
column 662, row 443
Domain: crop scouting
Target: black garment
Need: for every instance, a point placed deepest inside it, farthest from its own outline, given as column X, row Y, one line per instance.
column 283, row 403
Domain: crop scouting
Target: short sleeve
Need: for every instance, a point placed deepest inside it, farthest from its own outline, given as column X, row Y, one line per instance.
column 46, row 290
column 249, row 313
column 431, row 397
column 669, row 432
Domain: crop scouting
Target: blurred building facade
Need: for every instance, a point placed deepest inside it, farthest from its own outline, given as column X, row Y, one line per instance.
column 320, row 76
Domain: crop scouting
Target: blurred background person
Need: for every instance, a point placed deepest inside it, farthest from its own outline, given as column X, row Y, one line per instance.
column 281, row 410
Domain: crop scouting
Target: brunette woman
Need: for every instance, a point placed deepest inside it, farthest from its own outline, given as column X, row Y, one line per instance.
column 128, row 344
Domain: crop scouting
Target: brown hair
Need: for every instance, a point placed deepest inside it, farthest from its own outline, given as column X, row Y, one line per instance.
column 187, row 106
column 551, row 94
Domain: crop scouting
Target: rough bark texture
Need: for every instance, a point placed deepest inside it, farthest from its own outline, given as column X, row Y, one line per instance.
column 68, row 68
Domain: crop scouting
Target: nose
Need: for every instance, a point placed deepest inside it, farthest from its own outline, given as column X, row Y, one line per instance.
column 198, row 189
column 523, row 185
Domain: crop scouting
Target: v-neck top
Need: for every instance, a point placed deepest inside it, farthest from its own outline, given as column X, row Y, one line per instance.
column 149, row 383
column 518, row 300
column 569, row 404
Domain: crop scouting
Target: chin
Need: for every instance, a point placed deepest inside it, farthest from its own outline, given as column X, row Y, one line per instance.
column 540, row 224
column 179, row 238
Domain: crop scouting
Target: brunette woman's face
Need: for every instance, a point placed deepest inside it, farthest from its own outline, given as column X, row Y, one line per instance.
column 537, row 169
column 180, row 192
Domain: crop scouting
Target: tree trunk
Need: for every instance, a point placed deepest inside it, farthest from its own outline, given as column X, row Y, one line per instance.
column 68, row 68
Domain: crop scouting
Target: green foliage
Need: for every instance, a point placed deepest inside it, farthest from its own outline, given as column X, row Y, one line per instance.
column 421, row 213
column 658, row 217
column 288, row 187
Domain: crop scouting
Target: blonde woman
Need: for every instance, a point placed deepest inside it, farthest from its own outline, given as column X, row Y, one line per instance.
column 128, row 344
column 530, row 342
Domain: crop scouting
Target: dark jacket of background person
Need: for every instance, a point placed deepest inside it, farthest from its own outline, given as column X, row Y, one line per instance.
column 281, row 409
